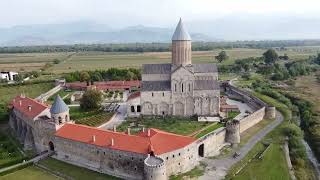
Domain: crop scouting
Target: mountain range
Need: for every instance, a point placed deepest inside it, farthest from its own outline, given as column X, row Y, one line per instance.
column 227, row 28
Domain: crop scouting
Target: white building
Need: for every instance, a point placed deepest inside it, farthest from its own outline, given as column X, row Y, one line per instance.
column 8, row 75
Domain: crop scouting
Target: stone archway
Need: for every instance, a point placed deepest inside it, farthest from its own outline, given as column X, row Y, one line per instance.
column 178, row 109
column 51, row 146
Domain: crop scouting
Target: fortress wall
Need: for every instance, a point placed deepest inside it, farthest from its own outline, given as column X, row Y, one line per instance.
column 212, row 142
column 252, row 119
column 126, row 165
column 181, row 160
column 43, row 97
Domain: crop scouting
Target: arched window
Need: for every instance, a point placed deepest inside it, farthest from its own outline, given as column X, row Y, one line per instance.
column 60, row 120
column 152, row 94
column 132, row 108
column 182, row 87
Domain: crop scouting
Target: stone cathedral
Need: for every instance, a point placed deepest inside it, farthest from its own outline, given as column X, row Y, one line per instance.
column 180, row 88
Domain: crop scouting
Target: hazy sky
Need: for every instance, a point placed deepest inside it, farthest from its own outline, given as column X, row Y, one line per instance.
column 148, row 12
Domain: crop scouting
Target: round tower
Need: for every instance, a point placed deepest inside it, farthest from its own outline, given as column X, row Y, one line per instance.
column 59, row 111
column 154, row 168
column 233, row 132
column 181, row 46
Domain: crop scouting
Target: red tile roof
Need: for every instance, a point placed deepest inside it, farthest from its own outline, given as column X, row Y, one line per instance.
column 36, row 107
column 134, row 95
column 160, row 141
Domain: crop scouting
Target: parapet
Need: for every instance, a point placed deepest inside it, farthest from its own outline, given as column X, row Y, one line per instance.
column 154, row 168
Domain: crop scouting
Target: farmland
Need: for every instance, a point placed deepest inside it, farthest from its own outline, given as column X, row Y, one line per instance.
column 103, row 60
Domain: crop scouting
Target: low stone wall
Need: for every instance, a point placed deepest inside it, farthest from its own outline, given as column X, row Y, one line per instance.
column 45, row 96
column 252, row 119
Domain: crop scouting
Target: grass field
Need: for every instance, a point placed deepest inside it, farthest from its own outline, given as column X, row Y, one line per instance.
column 271, row 167
column 74, row 172
column 29, row 173
column 173, row 125
column 103, row 60
column 28, row 61
column 30, row 90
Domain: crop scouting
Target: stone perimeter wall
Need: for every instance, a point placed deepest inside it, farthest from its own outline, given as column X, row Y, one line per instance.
column 215, row 140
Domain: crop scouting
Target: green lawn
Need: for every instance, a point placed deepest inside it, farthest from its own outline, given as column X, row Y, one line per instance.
column 29, row 173
column 74, row 172
column 272, row 166
column 61, row 93
column 169, row 124
column 192, row 174
column 208, row 130
column 93, row 118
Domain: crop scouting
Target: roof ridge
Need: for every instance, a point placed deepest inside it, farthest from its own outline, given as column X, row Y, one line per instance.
column 35, row 101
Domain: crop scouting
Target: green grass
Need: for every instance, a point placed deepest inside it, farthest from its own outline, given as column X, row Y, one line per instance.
column 232, row 115
column 272, row 166
column 194, row 173
column 9, row 153
column 30, row 90
column 89, row 117
column 72, row 171
column 209, row 129
column 169, row 124
column 246, row 135
column 61, row 93
column 29, row 173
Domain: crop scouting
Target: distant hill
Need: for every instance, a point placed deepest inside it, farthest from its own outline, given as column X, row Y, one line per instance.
column 86, row 33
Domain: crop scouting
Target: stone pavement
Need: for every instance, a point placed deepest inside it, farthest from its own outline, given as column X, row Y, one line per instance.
column 217, row 168
column 117, row 119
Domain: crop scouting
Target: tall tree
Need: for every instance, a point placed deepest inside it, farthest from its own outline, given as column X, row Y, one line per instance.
column 84, row 76
column 91, row 99
column 270, row 56
column 222, row 56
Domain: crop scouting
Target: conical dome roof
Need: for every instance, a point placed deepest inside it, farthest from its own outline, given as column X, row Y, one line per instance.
column 58, row 106
column 181, row 34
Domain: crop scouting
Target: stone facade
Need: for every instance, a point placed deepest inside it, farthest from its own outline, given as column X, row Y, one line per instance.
column 180, row 88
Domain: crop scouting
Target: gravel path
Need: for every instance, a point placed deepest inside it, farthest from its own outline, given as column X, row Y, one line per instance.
column 117, row 119
column 217, row 168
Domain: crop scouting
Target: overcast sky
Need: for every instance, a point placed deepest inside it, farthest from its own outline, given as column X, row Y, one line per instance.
column 119, row 13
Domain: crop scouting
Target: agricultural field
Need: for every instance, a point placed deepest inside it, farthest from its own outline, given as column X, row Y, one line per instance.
column 28, row 61
column 100, row 60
